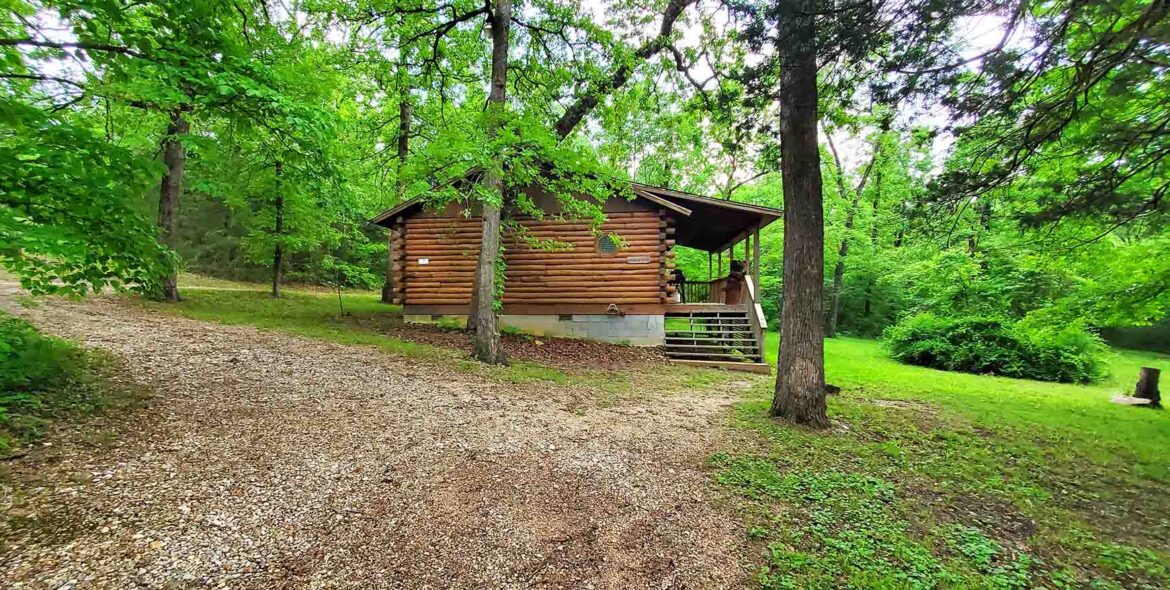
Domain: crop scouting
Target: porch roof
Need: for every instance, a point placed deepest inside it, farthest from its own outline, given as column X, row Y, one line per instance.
column 703, row 223
column 708, row 224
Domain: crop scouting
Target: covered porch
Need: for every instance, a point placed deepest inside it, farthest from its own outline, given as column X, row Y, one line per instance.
column 716, row 319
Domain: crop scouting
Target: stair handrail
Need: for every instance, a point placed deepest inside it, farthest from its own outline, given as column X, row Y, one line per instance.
column 756, row 314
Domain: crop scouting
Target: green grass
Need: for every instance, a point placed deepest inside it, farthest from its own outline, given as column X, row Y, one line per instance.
column 937, row 479
column 316, row 314
column 47, row 381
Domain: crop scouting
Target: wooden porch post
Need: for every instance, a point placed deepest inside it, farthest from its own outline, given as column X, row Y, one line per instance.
column 756, row 259
column 709, row 256
column 720, row 273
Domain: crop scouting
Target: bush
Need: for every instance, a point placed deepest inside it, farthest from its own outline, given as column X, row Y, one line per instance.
column 44, row 378
column 998, row 346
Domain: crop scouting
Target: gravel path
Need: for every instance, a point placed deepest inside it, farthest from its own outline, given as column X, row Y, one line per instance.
column 270, row 461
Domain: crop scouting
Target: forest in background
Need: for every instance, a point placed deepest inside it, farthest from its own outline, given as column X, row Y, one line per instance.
column 1012, row 187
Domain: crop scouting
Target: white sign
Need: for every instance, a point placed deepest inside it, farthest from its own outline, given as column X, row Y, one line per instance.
column 424, row 260
column 638, row 260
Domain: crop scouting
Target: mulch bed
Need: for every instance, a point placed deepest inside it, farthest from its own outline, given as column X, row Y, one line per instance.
column 570, row 354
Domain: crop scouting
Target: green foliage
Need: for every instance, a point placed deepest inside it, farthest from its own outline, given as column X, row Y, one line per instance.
column 997, row 346
column 43, row 379
column 68, row 216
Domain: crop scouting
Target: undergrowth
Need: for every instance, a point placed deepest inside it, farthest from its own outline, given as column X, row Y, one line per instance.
column 44, row 379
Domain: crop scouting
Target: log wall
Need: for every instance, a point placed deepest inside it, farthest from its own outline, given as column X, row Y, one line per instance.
column 635, row 274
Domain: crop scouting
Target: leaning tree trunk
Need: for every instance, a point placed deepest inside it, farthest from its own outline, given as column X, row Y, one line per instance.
column 800, row 376
column 174, row 159
column 278, row 234
column 487, row 334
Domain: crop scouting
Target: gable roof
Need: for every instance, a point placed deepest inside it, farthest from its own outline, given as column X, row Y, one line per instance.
column 705, row 223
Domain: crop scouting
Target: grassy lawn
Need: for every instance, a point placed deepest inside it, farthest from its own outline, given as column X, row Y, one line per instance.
column 936, row 479
column 316, row 313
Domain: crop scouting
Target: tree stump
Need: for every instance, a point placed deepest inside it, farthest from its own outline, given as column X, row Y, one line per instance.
column 1147, row 386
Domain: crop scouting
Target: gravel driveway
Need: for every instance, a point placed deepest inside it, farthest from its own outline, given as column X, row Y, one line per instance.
column 271, row 461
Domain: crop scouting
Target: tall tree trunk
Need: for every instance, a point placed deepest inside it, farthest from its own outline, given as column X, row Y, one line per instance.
column 800, row 376
column 873, row 235
column 174, row 159
column 278, row 251
column 404, row 109
column 487, row 334
column 839, row 269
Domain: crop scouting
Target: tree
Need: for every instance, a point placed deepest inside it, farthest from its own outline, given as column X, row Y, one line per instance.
column 174, row 160
column 487, row 334
column 800, row 377
column 834, row 311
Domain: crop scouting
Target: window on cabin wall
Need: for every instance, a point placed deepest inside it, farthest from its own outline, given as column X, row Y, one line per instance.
column 607, row 246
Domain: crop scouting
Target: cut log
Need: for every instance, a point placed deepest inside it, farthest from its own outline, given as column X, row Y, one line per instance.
column 1147, row 386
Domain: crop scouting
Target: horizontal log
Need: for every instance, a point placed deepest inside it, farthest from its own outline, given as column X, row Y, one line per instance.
column 543, row 231
column 581, row 289
column 423, row 285
column 583, row 280
column 525, row 219
column 568, row 300
column 608, row 270
column 540, row 230
column 643, row 260
column 552, row 227
column 586, row 264
column 564, row 243
column 623, row 256
column 586, row 274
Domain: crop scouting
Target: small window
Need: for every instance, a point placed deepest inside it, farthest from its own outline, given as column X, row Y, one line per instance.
column 607, row 245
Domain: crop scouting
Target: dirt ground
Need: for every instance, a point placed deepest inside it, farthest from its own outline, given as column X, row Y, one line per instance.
column 270, row 461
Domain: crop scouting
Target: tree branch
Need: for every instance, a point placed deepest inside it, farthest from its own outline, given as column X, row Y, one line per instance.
column 73, row 45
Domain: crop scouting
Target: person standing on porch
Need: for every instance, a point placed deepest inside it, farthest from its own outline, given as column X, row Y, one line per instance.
column 734, row 287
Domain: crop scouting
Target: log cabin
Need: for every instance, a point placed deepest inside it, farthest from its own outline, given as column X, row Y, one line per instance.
column 617, row 282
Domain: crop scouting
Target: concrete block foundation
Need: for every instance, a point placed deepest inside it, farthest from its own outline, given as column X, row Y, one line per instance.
column 636, row 330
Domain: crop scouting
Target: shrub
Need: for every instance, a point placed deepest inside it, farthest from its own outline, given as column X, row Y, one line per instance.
column 43, row 378
column 999, row 346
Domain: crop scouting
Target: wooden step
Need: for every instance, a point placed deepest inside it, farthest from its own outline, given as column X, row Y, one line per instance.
column 711, row 334
column 701, row 326
column 743, row 347
column 712, row 321
column 721, row 350
column 727, row 342
column 762, row 368
column 713, row 356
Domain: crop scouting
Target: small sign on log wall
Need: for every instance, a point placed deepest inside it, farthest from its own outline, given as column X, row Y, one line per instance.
column 638, row 260
column 424, row 260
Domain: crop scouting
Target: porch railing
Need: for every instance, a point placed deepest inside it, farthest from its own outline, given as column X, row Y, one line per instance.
column 698, row 291
column 756, row 312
